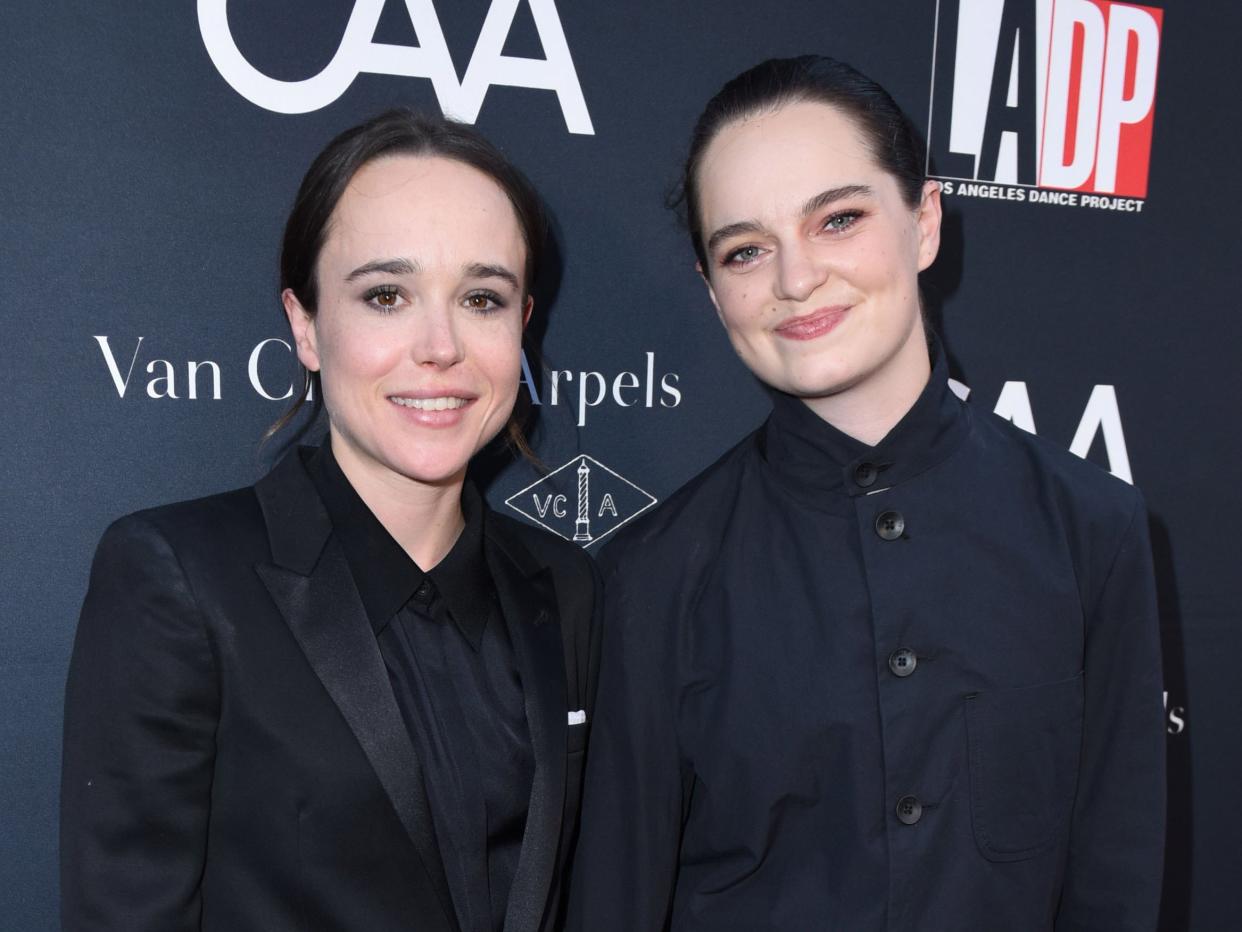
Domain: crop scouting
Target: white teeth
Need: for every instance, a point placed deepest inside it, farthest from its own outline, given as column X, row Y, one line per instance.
column 443, row 403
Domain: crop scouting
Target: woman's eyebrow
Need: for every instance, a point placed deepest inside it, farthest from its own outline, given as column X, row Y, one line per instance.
column 733, row 229
column 824, row 198
column 818, row 202
column 384, row 266
column 488, row 270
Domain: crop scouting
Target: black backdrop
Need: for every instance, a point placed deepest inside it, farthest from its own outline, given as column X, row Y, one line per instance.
column 148, row 159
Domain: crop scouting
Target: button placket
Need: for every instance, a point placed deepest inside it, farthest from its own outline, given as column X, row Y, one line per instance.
column 903, row 661
column 909, row 810
column 890, row 525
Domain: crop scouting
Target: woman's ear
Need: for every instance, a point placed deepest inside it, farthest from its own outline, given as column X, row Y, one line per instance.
column 303, row 326
column 929, row 224
column 707, row 283
column 526, row 310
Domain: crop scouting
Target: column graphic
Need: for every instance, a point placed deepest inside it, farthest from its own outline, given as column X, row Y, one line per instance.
column 582, row 530
column 605, row 499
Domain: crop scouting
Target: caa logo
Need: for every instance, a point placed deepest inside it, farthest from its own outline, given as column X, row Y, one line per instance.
column 358, row 52
column 583, row 501
column 1046, row 93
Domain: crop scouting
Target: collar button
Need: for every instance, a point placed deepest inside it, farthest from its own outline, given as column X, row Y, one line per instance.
column 865, row 475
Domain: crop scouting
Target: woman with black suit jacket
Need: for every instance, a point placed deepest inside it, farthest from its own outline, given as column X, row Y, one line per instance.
column 349, row 697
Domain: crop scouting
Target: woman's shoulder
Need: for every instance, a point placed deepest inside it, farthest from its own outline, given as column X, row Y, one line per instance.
column 1079, row 490
column 685, row 529
column 226, row 524
column 523, row 541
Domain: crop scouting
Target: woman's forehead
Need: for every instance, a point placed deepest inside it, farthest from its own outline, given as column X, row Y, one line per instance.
column 428, row 204
column 777, row 160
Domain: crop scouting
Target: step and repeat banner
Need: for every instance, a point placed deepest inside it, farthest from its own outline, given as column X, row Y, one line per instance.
column 151, row 150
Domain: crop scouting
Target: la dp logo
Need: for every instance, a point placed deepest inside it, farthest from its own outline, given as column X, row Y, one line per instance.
column 1050, row 93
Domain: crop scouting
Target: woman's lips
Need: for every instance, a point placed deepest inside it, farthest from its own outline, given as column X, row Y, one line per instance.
column 432, row 403
column 813, row 325
column 433, row 410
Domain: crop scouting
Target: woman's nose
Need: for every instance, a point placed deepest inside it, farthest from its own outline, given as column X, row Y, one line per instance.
column 798, row 272
column 434, row 340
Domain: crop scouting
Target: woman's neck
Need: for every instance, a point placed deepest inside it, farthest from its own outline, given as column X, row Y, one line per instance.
column 424, row 519
column 871, row 408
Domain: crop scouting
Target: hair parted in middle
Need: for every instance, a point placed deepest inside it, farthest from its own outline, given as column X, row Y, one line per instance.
column 399, row 131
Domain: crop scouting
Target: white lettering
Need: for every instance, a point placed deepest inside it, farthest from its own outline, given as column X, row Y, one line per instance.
column 1103, row 414
column 1014, row 404
column 252, row 369
column 358, row 53
column 1055, row 172
column 113, row 369
column 487, row 66
column 1177, row 720
column 541, row 507
column 601, row 389
column 668, row 386
column 607, row 506
column 528, row 379
column 555, row 376
column 1176, row 717
column 192, row 377
column 624, row 380
column 1115, row 108
column 168, row 378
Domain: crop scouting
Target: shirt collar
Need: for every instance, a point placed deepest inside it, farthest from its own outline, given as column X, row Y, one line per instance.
column 803, row 447
column 462, row 577
column 385, row 575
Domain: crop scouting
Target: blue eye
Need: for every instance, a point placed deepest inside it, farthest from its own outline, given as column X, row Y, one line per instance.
column 742, row 256
column 841, row 221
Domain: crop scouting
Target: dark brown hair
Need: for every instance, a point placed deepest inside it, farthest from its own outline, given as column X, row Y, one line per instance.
column 395, row 132
column 772, row 84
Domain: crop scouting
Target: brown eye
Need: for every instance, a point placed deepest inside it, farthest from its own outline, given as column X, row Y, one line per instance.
column 483, row 301
column 384, row 297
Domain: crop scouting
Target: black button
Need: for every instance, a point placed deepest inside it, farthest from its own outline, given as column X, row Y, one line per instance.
column 909, row 810
column 890, row 525
column 865, row 474
column 423, row 592
column 902, row 662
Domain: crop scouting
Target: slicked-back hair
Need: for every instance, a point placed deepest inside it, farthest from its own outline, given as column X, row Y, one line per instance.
column 886, row 131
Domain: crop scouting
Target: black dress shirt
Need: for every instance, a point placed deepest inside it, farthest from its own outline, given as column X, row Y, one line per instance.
column 914, row 687
column 453, row 672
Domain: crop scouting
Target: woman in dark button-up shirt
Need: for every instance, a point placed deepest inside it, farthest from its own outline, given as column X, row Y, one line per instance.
column 891, row 663
column 350, row 697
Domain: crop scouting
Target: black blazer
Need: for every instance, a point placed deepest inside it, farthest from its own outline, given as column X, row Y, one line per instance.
column 234, row 758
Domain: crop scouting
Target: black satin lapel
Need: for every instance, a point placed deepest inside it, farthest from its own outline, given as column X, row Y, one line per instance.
column 327, row 617
column 529, row 605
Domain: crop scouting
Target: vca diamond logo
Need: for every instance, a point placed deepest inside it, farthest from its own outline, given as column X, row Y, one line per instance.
column 583, row 501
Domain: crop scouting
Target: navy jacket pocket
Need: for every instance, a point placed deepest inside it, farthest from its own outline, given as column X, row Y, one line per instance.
column 1024, row 749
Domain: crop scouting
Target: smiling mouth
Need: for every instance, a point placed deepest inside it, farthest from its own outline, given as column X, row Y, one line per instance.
column 815, row 324
column 441, row 403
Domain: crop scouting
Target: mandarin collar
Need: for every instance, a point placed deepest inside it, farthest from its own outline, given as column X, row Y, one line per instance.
column 385, row 575
column 805, row 450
